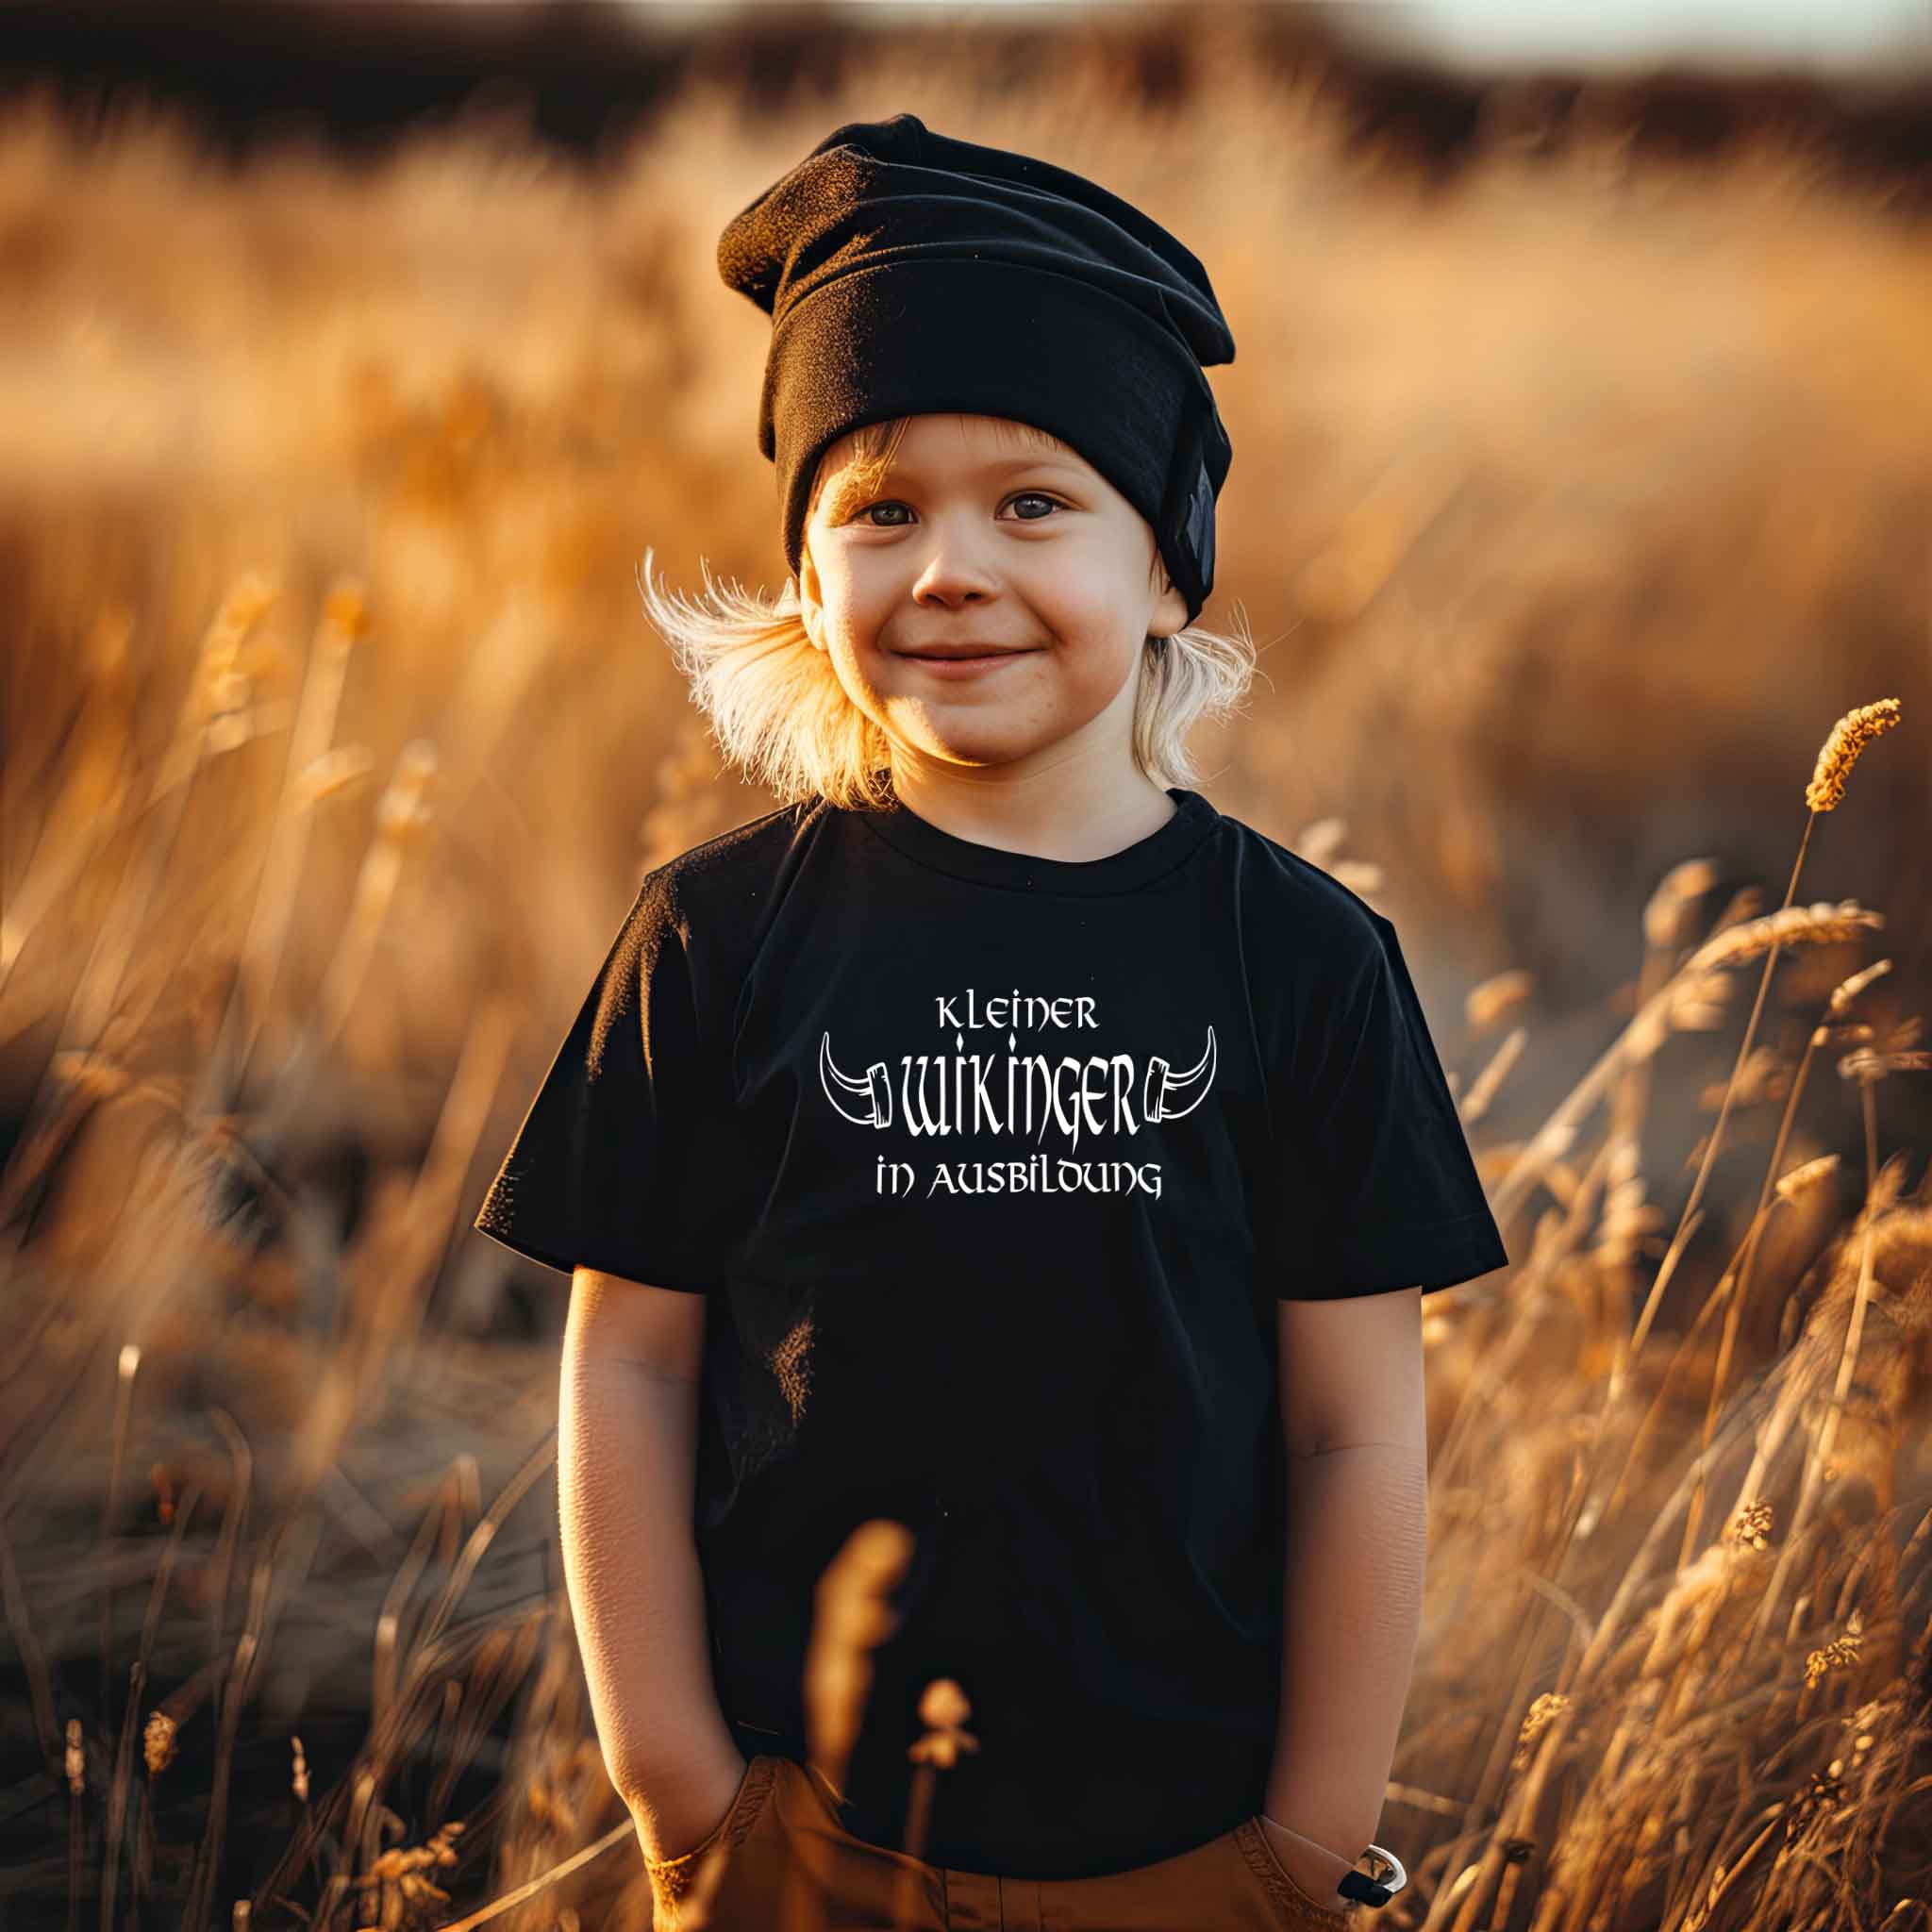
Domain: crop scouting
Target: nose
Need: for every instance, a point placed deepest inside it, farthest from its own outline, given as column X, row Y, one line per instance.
column 952, row 574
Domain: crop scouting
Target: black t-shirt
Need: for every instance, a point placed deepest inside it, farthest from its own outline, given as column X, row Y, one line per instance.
column 994, row 1168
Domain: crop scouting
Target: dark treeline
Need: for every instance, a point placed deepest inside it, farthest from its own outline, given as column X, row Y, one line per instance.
column 583, row 75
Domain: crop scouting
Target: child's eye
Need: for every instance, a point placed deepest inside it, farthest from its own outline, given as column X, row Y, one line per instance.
column 1022, row 496
column 1038, row 496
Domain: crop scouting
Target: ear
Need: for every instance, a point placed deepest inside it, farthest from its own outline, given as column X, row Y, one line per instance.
column 1170, row 613
column 810, row 609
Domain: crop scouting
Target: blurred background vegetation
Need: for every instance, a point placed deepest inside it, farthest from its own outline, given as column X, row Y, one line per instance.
column 354, row 357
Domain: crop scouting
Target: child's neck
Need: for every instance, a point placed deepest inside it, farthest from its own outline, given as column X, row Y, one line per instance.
column 1052, row 816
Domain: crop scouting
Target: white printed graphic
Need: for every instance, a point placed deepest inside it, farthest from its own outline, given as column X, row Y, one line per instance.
column 866, row 1103
column 1022, row 1095
column 1171, row 1094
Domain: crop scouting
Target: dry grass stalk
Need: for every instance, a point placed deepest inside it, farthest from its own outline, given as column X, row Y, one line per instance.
column 95, row 783
column 943, row 1709
column 1823, row 925
column 1799, row 1182
column 403, row 817
column 333, row 774
column 1487, row 1005
column 1668, row 913
column 1628, row 1218
column 624, row 1834
column 38, row 1681
column 1488, row 1083
column 1764, row 1076
column 1878, row 1193
column 1845, row 993
column 501, row 1665
column 1320, row 840
column 852, row 1618
column 1868, row 1066
column 431, row 1657
column 158, row 1733
column 1691, row 998
column 1359, row 876
column 242, row 1460
column 1843, row 748
column 74, row 1764
column 535, row 1465
column 128, row 1361
column 311, row 772
column 1740, row 942
column 156, row 831
column 399, row 1877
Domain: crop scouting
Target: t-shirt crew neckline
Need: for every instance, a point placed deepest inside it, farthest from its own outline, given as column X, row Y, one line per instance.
column 1119, row 871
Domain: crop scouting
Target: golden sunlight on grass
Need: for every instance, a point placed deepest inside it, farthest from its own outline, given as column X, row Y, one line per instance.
column 334, row 739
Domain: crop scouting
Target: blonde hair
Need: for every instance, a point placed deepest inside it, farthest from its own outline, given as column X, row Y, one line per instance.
column 780, row 713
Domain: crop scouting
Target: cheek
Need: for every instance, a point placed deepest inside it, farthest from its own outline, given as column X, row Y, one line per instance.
column 851, row 598
column 1092, row 605
column 1100, row 626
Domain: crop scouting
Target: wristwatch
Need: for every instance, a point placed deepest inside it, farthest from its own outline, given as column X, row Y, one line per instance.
column 1380, row 1883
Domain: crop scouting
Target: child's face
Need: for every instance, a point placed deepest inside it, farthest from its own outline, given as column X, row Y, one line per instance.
column 977, row 537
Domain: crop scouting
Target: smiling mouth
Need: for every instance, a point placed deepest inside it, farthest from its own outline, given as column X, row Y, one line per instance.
column 963, row 656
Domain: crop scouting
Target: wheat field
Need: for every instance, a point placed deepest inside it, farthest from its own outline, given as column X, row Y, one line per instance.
column 1595, row 478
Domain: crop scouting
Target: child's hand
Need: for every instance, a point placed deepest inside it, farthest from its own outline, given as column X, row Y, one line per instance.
column 687, row 1812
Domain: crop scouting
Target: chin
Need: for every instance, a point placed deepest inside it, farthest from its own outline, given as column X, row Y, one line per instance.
column 983, row 751
column 972, row 746
column 974, row 727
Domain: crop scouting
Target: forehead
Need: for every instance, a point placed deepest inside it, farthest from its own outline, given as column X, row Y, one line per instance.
column 952, row 445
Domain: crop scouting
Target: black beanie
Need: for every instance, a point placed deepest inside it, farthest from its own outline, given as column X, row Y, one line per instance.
column 906, row 274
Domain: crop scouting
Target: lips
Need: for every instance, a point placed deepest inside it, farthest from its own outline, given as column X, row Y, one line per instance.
column 968, row 651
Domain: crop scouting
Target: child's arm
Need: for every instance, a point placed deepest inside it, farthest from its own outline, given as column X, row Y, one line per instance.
column 1354, row 1427
column 626, row 1466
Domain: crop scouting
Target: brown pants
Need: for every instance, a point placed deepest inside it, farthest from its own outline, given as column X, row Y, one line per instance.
column 779, row 1861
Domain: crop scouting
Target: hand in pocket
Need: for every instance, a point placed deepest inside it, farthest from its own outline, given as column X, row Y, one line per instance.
column 1313, row 1891
column 691, row 1817
column 683, row 1882
column 712, row 1887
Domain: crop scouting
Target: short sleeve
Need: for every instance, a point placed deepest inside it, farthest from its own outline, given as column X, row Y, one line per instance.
column 596, row 1174
column 1378, row 1187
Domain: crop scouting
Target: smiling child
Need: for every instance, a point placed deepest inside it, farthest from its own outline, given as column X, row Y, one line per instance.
column 996, row 1138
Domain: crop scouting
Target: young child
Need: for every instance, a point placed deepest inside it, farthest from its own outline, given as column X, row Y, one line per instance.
column 996, row 1138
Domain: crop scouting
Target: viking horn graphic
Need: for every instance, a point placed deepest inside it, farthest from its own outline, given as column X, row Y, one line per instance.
column 866, row 1103
column 1168, row 1094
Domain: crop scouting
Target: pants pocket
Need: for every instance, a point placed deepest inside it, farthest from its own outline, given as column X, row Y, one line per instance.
column 836, row 1878
column 1297, row 1908
column 673, row 1880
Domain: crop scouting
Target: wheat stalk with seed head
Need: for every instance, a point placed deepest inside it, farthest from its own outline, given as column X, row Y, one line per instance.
column 1839, row 753
column 1843, row 748
column 1823, row 925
